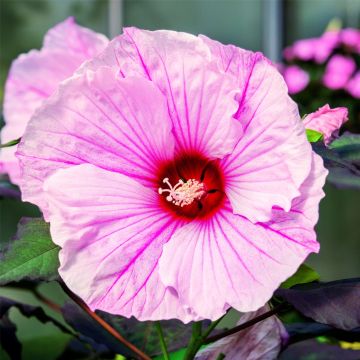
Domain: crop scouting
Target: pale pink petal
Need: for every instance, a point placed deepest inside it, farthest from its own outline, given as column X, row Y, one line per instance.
column 111, row 231
column 273, row 136
column 326, row 121
column 262, row 341
column 296, row 78
column 76, row 40
column 228, row 261
column 338, row 71
column 200, row 99
column 273, row 157
column 34, row 76
column 117, row 124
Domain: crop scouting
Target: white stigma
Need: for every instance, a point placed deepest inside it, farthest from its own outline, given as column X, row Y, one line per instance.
column 183, row 193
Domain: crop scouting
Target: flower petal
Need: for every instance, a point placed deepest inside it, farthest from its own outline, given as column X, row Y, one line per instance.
column 111, row 231
column 117, row 124
column 200, row 99
column 326, row 121
column 77, row 40
column 34, row 76
column 273, row 157
column 228, row 261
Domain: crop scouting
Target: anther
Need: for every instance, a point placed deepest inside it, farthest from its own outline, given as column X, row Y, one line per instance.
column 183, row 193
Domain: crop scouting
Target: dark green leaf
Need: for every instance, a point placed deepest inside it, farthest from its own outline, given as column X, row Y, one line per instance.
column 304, row 274
column 28, row 311
column 343, row 173
column 91, row 331
column 348, row 147
column 10, row 143
column 140, row 333
column 144, row 335
column 31, row 256
column 8, row 340
column 314, row 136
column 7, row 189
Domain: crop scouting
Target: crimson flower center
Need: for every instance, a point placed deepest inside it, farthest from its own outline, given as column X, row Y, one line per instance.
column 191, row 186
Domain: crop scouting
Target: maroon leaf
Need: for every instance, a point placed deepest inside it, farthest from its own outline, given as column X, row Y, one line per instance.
column 334, row 303
column 262, row 341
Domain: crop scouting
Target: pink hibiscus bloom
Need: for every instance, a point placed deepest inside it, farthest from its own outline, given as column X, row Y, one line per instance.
column 338, row 71
column 177, row 178
column 326, row 121
column 296, row 78
column 34, row 76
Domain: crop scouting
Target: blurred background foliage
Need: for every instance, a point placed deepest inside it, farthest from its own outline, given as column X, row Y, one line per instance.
column 23, row 24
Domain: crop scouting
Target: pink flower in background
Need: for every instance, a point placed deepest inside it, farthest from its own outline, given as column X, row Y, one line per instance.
column 326, row 121
column 301, row 49
column 34, row 76
column 176, row 176
column 351, row 37
column 325, row 45
column 296, row 78
column 317, row 49
column 338, row 71
column 353, row 86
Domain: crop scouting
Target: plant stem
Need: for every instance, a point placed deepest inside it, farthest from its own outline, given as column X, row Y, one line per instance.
column 195, row 341
column 104, row 324
column 46, row 301
column 249, row 323
column 162, row 341
column 211, row 327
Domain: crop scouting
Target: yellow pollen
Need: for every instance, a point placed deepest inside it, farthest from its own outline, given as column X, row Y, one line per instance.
column 183, row 193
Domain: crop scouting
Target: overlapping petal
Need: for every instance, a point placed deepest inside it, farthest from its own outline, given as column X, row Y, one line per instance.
column 121, row 125
column 201, row 100
column 232, row 262
column 273, row 157
column 34, row 76
column 111, row 231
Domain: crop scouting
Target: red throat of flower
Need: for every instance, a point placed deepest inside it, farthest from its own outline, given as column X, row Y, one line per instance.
column 191, row 186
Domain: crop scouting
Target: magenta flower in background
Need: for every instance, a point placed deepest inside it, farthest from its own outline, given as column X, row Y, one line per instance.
column 317, row 49
column 296, row 78
column 34, row 76
column 350, row 37
column 338, row 71
column 353, row 86
column 303, row 49
column 176, row 176
column 326, row 121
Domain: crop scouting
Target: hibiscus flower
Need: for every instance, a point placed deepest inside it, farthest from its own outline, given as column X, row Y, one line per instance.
column 34, row 76
column 177, row 178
